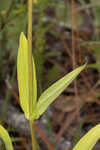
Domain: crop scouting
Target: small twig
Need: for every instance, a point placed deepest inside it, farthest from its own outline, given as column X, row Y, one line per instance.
column 44, row 138
column 73, row 57
column 66, row 124
column 9, row 86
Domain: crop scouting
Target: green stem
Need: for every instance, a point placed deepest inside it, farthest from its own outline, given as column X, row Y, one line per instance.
column 34, row 143
column 30, row 66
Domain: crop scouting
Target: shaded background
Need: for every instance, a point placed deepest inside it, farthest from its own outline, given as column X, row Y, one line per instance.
column 66, row 34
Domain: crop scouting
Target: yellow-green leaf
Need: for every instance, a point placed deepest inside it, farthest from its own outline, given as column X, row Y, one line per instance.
column 88, row 141
column 55, row 90
column 23, row 76
column 6, row 138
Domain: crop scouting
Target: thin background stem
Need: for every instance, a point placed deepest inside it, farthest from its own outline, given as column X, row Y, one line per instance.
column 73, row 57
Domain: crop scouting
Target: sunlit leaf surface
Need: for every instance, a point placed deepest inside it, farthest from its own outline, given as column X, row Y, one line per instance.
column 88, row 141
column 6, row 138
column 56, row 89
column 23, row 76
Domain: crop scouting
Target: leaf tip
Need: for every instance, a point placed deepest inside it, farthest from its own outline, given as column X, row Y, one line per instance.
column 22, row 36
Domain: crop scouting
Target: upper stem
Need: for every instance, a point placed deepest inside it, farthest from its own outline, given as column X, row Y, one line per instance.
column 30, row 66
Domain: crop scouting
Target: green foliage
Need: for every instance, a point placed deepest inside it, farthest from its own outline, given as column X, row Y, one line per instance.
column 5, row 137
column 78, row 132
column 51, row 77
column 23, row 76
column 40, row 41
column 12, row 30
column 47, row 96
column 4, row 5
column 94, row 66
column 88, row 141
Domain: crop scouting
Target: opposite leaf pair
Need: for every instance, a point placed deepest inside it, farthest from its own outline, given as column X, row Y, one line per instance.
column 49, row 95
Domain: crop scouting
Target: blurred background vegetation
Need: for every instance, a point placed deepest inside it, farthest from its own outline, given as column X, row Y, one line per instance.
column 66, row 34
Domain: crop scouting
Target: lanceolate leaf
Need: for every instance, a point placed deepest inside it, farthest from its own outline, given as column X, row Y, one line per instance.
column 6, row 139
column 88, row 141
column 55, row 90
column 23, row 76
